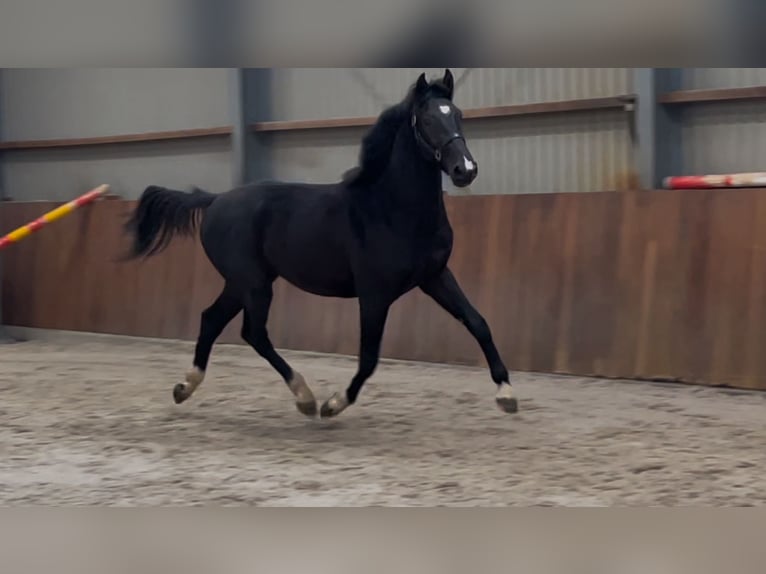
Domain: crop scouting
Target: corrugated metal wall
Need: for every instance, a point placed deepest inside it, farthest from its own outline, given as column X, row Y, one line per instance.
column 79, row 103
column 554, row 153
column 321, row 93
column 708, row 78
column 586, row 151
column 724, row 137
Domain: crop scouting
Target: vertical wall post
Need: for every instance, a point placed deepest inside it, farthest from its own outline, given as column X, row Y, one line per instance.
column 257, row 107
column 658, row 147
column 239, row 125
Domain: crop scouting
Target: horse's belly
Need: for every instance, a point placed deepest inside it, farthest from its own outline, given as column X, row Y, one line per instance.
column 324, row 274
column 325, row 286
column 311, row 259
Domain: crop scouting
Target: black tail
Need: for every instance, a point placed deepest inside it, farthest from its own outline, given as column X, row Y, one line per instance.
column 163, row 213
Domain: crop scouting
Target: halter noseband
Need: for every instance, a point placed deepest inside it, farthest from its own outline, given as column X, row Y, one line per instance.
column 430, row 151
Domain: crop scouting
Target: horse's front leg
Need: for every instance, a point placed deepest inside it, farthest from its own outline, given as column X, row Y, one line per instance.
column 444, row 289
column 372, row 314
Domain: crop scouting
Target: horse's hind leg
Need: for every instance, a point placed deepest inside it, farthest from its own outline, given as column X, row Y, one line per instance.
column 255, row 334
column 213, row 321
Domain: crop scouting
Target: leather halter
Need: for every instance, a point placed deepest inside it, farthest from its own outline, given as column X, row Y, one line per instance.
column 430, row 151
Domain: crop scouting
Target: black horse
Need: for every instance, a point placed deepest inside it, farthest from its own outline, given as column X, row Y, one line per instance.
column 377, row 234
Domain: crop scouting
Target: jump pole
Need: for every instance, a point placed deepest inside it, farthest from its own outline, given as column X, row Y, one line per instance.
column 53, row 215
column 722, row 181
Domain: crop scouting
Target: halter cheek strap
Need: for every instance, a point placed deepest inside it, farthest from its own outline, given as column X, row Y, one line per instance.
column 430, row 151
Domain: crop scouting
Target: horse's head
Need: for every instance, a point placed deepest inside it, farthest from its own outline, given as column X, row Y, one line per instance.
column 438, row 131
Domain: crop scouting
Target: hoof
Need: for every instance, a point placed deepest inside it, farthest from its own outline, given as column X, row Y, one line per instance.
column 180, row 393
column 505, row 400
column 333, row 406
column 309, row 408
column 508, row 405
column 183, row 391
column 305, row 401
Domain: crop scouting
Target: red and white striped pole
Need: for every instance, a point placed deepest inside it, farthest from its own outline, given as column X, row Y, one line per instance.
column 731, row 180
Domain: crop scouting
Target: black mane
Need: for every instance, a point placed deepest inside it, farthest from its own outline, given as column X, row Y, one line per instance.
column 378, row 143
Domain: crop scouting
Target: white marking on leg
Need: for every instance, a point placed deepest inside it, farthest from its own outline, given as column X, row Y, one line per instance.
column 469, row 165
column 504, row 392
column 300, row 389
column 194, row 378
column 337, row 403
column 304, row 398
column 505, row 400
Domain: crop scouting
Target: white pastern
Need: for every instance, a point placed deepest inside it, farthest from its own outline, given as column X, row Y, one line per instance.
column 337, row 403
column 194, row 378
column 504, row 391
column 300, row 389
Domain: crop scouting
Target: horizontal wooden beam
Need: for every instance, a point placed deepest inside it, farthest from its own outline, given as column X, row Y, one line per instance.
column 117, row 139
column 294, row 125
column 713, row 95
column 579, row 105
column 590, row 104
column 516, row 110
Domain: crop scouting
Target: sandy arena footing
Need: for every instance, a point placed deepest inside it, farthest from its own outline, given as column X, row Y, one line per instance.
column 88, row 419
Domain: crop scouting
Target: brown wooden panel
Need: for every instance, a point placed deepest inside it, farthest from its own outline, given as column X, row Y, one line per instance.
column 666, row 284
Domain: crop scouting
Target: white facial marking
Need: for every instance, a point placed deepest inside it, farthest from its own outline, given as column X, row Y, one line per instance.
column 468, row 164
column 445, row 109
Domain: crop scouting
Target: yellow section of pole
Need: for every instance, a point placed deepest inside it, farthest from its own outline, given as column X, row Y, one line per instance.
column 53, row 215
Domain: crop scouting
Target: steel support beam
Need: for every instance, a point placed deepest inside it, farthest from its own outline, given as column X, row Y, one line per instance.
column 658, row 145
column 239, row 126
column 257, row 107
column 250, row 102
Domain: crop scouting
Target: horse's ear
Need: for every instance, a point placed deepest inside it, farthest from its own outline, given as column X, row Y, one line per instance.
column 449, row 81
column 422, row 84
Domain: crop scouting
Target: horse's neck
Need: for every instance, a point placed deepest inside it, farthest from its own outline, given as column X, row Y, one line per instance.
column 413, row 183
